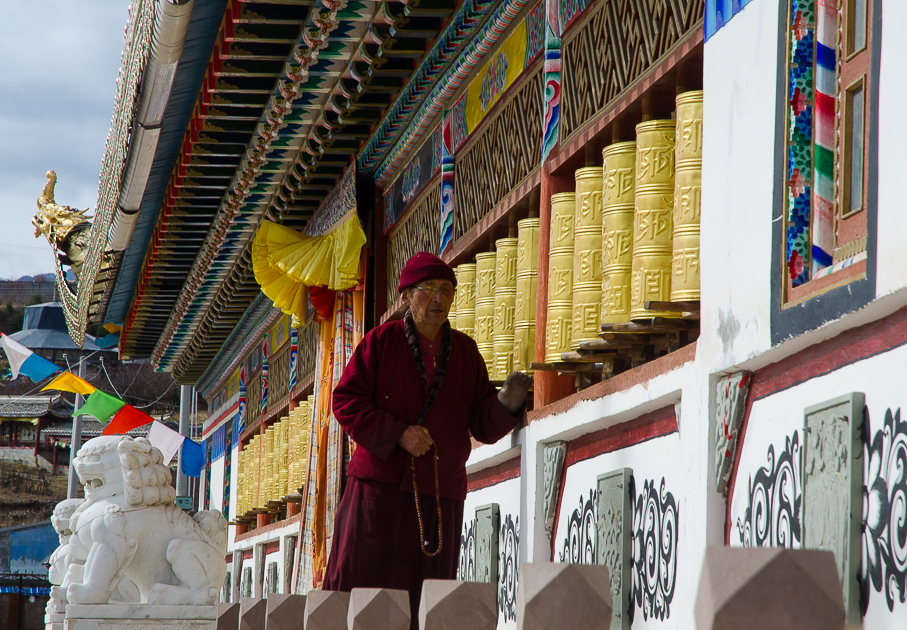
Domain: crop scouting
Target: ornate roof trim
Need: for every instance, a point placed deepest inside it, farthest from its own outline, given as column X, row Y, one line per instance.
column 137, row 44
column 181, row 326
column 400, row 125
column 258, row 318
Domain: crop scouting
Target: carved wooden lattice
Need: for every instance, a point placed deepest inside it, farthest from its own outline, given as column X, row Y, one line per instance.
column 279, row 375
column 308, row 350
column 618, row 42
column 253, row 400
column 501, row 156
column 419, row 231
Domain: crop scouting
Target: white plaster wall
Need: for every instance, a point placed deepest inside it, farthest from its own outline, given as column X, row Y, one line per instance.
column 585, row 417
column 892, row 255
column 682, row 458
column 274, row 556
column 880, row 378
column 739, row 104
column 278, row 534
column 216, row 496
column 654, row 461
column 507, row 495
column 247, row 564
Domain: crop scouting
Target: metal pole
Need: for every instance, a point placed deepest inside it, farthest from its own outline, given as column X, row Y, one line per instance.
column 76, row 441
column 182, row 482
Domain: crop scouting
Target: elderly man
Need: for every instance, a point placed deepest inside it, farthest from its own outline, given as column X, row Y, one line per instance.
column 412, row 394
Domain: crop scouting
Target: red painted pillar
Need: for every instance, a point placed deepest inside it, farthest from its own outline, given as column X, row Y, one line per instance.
column 549, row 387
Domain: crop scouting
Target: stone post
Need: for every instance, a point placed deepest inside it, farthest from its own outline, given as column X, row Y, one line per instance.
column 326, row 610
column 228, row 616
column 455, row 605
column 781, row 589
column 378, row 609
column 285, row 612
column 252, row 613
column 552, row 596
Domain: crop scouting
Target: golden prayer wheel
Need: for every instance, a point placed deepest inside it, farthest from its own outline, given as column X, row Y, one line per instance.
column 587, row 256
column 242, row 491
column 688, row 138
column 246, row 488
column 306, row 430
column 504, row 308
column 484, row 336
column 296, row 437
column 240, row 483
column 650, row 275
column 687, row 198
column 560, row 277
column 618, row 169
column 269, row 485
column 300, row 438
column 283, row 467
column 526, row 289
column 452, row 313
column 466, row 299
column 255, row 469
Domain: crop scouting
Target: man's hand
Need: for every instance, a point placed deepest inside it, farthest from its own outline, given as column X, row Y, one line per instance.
column 416, row 440
column 513, row 393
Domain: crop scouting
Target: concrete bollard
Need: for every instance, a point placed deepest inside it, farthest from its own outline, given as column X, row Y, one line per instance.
column 285, row 612
column 378, row 609
column 228, row 616
column 553, row 596
column 781, row 589
column 455, row 605
column 252, row 613
column 326, row 610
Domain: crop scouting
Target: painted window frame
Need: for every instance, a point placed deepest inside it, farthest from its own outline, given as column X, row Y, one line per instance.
column 839, row 291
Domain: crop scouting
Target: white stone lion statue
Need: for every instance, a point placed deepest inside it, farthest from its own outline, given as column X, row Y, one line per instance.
column 61, row 558
column 128, row 537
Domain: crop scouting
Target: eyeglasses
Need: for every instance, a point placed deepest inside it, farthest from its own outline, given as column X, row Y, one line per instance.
column 430, row 291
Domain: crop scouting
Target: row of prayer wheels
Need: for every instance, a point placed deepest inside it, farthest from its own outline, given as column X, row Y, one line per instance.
column 629, row 233
column 273, row 463
column 495, row 301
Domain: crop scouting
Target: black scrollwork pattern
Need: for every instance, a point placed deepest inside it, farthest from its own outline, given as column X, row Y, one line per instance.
column 884, row 565
column 509, row 568
column 467, row 569
column 654, row 550
column 579, row 544
column 772, row 517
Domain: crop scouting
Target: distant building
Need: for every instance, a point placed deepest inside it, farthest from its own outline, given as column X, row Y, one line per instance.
column 44, row 332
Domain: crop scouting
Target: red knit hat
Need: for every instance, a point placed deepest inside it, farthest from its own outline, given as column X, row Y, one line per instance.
column 425, row 266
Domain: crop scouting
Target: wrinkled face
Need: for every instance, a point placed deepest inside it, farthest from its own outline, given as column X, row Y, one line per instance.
column 430, row 301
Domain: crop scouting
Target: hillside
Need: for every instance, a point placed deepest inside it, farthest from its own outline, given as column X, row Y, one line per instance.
column 20, row 503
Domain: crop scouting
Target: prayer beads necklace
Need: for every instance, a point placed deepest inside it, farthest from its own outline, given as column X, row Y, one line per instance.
column 423, row 544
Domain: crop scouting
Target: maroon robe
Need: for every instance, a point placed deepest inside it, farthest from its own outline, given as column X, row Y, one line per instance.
column 376, row 532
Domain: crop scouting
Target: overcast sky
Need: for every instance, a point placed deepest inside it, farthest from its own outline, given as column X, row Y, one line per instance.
column 59, row 61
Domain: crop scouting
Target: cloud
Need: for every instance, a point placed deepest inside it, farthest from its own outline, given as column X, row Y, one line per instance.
column 59, row 62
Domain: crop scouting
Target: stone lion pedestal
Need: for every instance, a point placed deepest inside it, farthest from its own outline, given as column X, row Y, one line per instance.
column 139, row 617
column 133, row 560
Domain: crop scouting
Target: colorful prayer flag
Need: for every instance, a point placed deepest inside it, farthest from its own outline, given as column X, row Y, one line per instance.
column 127, row 419
column 166, row 440
column 193, row 460
column 101, row 405
column 69, row 382
column 24, row 361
